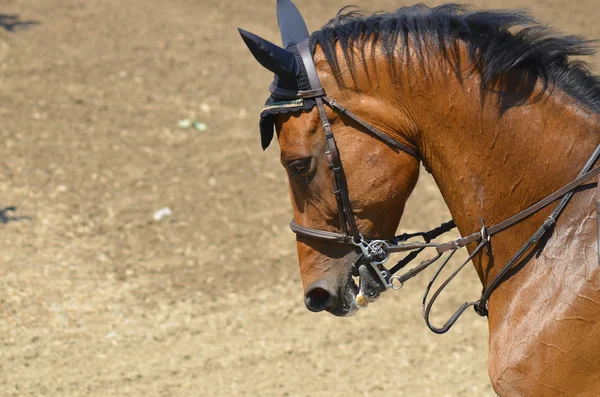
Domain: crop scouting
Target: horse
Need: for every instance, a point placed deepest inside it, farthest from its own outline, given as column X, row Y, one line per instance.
column 495, row 108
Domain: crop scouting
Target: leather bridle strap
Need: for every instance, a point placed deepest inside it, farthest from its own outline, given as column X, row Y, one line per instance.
column 337, row 107
column 567, row 192
column 484, row 239
column 320, row 234
column 567, row 189
column 393, row 245
column 282, row 93
column 340, row 186
column 390, row 141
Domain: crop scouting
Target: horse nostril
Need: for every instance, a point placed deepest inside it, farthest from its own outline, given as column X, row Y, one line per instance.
column 318, row 299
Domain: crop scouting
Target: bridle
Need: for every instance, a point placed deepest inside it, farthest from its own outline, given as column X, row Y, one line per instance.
column 375, row 252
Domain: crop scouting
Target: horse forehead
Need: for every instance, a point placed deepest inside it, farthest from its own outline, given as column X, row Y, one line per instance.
column 298, row 131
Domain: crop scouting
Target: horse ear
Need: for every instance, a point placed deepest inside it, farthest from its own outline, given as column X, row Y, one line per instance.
column 291, row 24
column 279, row 61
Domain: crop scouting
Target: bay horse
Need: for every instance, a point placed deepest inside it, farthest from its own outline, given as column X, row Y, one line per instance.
column 497, row 111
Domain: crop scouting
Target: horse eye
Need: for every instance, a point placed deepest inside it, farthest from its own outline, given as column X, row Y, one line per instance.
column 301, row 166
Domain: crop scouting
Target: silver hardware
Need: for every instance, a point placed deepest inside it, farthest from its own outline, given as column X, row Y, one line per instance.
column 373, row 252
column 484, row 234
column 379, row 249
column 396, row 284
column 382, row 273
column 376, row 249
column 362, row 244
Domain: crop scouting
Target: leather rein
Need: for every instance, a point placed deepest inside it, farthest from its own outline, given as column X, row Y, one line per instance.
column 375, row 252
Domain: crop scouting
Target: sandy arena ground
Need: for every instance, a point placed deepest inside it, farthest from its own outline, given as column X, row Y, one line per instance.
column 98, row 299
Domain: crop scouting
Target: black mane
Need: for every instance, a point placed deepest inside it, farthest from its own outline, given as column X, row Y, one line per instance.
column 499, row 43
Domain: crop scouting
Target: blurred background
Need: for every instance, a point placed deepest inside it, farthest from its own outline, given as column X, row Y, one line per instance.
column 144, row 242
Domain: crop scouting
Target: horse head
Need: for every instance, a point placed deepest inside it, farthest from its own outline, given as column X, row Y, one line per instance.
column 379, row 177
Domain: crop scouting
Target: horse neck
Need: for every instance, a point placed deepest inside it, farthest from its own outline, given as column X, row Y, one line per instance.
column 491, row 165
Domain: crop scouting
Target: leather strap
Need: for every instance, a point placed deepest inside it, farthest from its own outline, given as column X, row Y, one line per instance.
column 340, row 186
column 319, row 234
column 283, row 93
column 542, row 203
column 567, row 192
column 309, row 65
column 390, row 141
column 568, row 188
column 484, row 238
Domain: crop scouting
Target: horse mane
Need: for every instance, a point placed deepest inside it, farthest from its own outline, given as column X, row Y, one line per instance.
column 498, row 42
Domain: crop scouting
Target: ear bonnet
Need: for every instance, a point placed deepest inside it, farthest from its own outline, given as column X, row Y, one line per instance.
column 285, row 63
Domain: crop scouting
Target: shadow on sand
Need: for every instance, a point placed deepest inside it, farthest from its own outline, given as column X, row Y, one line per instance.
column 7, row 215
column 12, row 23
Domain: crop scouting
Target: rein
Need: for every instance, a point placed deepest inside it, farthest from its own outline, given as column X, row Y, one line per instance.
column 375, row 252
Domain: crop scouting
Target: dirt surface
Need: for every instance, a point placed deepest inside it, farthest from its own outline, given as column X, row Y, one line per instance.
column 99, row 299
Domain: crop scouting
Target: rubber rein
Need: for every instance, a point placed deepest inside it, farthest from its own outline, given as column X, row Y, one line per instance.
column 375, row 252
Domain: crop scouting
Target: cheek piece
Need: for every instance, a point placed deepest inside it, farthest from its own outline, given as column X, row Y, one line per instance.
column 375, row 252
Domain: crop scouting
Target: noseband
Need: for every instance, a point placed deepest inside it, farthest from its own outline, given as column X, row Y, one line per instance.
column 377, row 251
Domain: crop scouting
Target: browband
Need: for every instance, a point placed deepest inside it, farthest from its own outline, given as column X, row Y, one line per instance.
column 283, row 93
